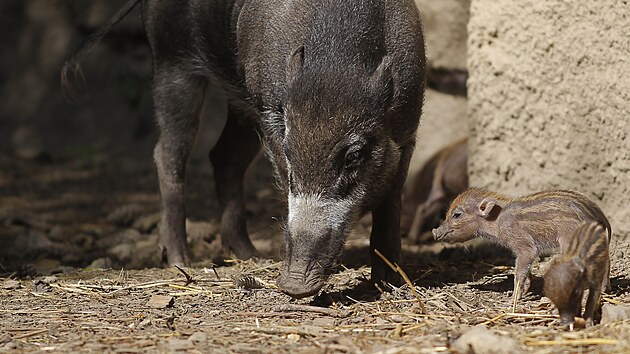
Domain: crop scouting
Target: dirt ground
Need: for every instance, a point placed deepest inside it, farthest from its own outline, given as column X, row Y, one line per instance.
column 80, row 273
column 79, row 268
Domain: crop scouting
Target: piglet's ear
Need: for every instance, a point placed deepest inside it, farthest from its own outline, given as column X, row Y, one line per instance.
column 486, row 206
column 295, row 63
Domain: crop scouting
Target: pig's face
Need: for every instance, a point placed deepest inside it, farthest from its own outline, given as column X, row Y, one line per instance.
column 563, row 286
column 468, row 217
column 337, row 160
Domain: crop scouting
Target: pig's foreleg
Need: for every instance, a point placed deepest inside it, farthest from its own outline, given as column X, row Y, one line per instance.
column 385, row 236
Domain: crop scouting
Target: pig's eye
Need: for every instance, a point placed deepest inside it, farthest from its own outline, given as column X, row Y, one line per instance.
column 457, row 214
column 353, row 156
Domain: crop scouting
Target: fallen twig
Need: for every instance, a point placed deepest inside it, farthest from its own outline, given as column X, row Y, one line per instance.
column 519, row 315
column 611, row 300
column 396, row 268
column 31, row 334
column 309, row 308
column 411, row 314
column 189, row 279
column 582, row 341
column 304, row 331
column 273, row 265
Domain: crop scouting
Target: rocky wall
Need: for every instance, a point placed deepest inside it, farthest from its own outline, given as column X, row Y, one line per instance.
column 549, row 100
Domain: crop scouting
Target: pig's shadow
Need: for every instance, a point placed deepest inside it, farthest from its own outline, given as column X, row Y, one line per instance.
column 454, row 265
column 364, row 291
column 506, row 284
column 620, row 285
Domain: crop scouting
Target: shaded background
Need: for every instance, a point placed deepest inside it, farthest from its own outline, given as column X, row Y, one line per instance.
column 549, row 108
column 77, row 181
column 36, row 121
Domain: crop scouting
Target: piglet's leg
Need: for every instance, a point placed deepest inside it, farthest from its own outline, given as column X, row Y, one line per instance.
column 433, row 205
column 522, row 274
column 606, row 287
column 592, row 303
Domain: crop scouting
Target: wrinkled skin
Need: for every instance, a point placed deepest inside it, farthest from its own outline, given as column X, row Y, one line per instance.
column 331, row 89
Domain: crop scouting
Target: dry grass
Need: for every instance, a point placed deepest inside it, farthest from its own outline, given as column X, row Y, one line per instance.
column 213, row 311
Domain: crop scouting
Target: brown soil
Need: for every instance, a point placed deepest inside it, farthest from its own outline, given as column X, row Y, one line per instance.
column 63, row 222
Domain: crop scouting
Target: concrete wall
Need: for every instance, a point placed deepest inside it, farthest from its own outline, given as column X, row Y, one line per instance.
column 549, row 100
column 445, row 31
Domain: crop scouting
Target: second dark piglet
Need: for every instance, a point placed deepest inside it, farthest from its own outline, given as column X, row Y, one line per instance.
column 584, row 265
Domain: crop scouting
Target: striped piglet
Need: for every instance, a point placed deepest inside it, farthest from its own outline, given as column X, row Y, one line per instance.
column 530, row 225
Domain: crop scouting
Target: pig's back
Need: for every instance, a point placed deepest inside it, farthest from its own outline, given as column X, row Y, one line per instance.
column 339, row 34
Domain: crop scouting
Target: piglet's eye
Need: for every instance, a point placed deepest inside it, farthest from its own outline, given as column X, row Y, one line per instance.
column 457, row 214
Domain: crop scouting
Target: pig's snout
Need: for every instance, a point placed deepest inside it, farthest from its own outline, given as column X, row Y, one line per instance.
column 314, row 239
column 298, row 285
column 440, row 233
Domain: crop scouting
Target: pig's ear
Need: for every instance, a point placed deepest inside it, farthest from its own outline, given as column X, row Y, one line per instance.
column 294, row 64
column 382, row 82
column 486, row 206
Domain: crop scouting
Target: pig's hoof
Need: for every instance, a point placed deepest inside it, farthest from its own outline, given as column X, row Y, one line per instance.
column 241, row 249
column 385, row 277
column 174, row 258
column 242, row 253
column 298, row 289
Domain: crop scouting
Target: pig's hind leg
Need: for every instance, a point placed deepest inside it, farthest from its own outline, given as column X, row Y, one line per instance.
column 237, row 147
column 424, row 213
column 178, row 97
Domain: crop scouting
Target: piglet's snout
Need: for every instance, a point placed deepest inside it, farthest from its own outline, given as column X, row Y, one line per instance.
column 439, row 233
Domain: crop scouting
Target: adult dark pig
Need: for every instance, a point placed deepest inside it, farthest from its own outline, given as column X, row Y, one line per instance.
column 335, row 89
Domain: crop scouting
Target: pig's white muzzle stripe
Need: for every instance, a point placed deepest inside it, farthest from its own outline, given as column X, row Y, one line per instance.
column 312, row 213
